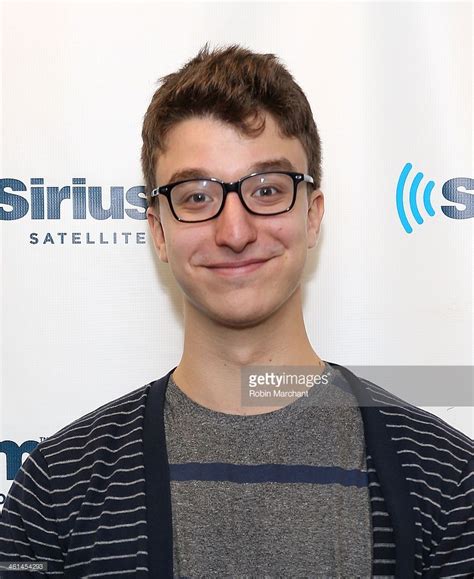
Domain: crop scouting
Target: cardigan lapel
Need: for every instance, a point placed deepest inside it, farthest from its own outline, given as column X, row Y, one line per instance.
column 378, row 444
column 389, row 472
column 157, row 483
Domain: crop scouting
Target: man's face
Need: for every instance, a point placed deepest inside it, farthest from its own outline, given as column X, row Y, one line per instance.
column 244, row 296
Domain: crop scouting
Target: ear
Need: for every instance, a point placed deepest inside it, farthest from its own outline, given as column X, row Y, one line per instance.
column 157, row 233
column 315, row 216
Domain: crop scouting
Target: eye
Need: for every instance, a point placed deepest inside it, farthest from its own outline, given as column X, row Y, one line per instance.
column 265, row 191
column 198, row 197
column 195, row 194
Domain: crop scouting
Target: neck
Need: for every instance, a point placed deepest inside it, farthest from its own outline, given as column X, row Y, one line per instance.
column 214, row 354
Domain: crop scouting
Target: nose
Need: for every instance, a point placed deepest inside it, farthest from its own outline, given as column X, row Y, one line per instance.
column 235, row 226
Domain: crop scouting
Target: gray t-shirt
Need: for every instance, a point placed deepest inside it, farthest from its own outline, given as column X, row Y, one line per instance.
column 280, row 494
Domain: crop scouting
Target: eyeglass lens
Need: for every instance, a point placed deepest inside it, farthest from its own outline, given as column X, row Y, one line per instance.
column 201, row 199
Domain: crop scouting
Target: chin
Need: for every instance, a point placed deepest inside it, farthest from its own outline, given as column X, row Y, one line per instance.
column 241, row 322
column 242, row 308
column 240, row 314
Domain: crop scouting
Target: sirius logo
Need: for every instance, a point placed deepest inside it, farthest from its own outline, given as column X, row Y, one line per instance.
column 14, row 454
column 47, row 202
column 455, row 190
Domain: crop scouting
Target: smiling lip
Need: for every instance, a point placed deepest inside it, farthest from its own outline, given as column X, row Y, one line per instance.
column 232, row 268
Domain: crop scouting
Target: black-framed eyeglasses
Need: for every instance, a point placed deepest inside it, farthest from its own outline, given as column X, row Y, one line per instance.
column 201, row 199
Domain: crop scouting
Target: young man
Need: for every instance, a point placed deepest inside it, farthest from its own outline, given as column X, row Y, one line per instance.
column 184, row 478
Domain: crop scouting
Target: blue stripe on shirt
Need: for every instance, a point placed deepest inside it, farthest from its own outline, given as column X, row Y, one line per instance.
column 258, row 473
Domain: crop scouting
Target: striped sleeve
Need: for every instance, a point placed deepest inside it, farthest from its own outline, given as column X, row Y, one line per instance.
column 454, row 553
column 437, row 461
column 28, row 530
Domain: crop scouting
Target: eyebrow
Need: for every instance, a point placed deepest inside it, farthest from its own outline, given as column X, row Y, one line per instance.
column 280, row 164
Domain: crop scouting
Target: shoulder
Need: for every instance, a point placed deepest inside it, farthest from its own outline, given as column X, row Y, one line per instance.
column 410, row 425
column 88, row 472
column 112, row 427
column 437, row 463
column 436, row 459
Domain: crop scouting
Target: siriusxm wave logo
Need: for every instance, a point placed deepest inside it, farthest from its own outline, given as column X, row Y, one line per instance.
column 455, row 190
column 79, row 200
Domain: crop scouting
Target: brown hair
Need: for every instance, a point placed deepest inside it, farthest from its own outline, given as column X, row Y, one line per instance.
column 234, row 85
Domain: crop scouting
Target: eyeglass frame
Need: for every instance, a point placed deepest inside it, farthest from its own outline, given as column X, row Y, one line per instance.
column 230, row 187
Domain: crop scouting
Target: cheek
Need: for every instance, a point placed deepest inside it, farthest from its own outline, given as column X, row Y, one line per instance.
column 177, row 257
column 294, row 239
column 182, row 251
column 178, row 260
column 291, row 235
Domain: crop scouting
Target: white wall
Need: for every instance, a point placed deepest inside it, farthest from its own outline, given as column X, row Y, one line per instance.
column 389, row 83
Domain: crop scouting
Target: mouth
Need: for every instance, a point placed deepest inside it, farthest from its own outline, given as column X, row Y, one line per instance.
column 236, row 269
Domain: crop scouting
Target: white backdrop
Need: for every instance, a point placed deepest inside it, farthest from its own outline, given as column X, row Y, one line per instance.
column 84, row 321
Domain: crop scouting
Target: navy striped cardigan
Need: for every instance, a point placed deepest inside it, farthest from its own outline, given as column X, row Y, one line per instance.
column 61, row 509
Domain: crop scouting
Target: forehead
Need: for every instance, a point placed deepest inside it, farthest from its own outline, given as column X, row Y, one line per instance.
column 204, row 146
